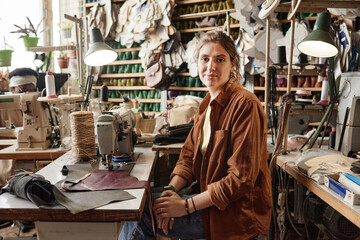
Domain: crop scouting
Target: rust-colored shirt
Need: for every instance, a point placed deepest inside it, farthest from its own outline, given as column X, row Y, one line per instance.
column 234, row 168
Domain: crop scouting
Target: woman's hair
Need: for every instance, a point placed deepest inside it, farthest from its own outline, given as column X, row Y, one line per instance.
column 220, row 37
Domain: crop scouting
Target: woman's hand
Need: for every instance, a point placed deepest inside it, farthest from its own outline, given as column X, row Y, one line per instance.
column 169, row 205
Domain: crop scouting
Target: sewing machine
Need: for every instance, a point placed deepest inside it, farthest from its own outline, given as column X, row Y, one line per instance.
column 35, row 132
column 349, row 98
column 115, row 131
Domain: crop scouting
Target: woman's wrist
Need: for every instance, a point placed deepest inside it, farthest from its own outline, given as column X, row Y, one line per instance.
column 190, row 206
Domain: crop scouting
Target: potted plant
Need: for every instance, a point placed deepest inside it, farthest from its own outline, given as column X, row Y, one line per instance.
column 5, row 55
column 63, row 60
column 72, row 52
column 29, row 33
column 65, row 28
column 4, row 81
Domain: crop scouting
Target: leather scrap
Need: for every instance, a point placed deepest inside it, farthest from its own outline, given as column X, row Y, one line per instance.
column 77, row 202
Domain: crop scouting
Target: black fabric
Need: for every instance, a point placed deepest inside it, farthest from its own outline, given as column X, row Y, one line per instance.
column 179, row 130
column 32, row 187
column 174, row 134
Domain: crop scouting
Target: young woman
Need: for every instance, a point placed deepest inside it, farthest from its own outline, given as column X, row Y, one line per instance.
column 223, row 160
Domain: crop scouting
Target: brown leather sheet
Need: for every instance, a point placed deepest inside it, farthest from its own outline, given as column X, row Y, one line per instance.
column 82, row 196
column 105, row 180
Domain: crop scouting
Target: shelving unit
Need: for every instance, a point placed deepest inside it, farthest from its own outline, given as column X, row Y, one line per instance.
column 185, row 84
column 118, row 89
column 305, row 6
column 111, row 74
column 185, row 23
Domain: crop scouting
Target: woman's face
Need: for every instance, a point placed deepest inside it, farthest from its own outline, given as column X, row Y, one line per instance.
column 214, row 66
column 29, row 87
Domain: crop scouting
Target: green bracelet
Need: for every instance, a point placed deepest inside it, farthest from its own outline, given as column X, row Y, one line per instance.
column 169, row 187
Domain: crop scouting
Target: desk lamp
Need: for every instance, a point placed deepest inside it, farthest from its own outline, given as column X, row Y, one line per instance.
column 319, row 43
column 98, row 54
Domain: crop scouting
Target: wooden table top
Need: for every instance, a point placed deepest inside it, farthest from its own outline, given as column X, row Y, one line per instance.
column 174, row 148
column 9, row 152
column 351, row 212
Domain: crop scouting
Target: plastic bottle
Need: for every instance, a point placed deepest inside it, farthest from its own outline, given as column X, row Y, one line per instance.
column 50, row 85
column 332, row 138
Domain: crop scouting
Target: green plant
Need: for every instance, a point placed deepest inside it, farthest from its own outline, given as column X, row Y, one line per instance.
column 63, row 54
column 66, row 25
column 5, row 46
column 46, row 66
column 29, row 31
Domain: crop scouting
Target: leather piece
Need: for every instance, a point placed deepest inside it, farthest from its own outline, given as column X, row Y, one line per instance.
column 175, row 134
column 77, row 202
column 106, row 180
column 165, row 139
column 81, row 201
column 32, row 187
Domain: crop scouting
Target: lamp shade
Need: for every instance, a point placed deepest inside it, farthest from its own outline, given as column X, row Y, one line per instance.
column 99, row 53
column 319, row 42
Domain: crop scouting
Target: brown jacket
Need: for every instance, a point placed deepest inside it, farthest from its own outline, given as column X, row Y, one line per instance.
column 234, row 168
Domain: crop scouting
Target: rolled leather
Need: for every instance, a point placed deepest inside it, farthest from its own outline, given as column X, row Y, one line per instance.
column 32, row 187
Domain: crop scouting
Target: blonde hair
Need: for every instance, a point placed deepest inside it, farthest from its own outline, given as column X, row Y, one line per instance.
column 220, row 37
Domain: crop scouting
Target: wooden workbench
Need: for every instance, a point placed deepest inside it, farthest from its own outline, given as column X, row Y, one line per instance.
column 8, row 151
column 100, row 223
column 169, row 149
column 351, row 212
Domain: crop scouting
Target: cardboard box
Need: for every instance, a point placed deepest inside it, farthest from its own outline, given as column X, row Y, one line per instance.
column 28, row 165
column 331, row 181
column 42, row 163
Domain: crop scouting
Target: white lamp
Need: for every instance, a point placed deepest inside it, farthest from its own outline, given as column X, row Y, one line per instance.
column 99, row 53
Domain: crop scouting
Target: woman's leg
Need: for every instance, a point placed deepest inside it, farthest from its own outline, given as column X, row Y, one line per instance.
column 184, row 227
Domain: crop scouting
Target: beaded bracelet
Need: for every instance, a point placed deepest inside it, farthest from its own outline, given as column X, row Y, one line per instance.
column 187, row 207
column 193, row 204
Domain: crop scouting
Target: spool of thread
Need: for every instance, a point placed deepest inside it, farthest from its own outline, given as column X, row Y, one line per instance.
column 83, row 135
column 303, row 58
column 50, row 85
column 104, row 93
column 281, row 54
column 324, row 92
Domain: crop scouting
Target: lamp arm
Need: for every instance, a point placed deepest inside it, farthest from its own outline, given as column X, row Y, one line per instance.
column 331, row 80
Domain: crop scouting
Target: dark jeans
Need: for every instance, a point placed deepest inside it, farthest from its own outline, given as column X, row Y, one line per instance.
column 186, row 227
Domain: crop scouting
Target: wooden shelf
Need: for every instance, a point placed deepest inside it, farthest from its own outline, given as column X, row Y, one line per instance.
column 122, row 75
column 203, row 14
column 284, row 89
column 134, row 61
column 127, row 88
column 127, row 49
column 301, row 72
column 191, row 30
column 311, row 6
column 52, row 48
column 308, row 18
column 193, row 2
column 189, row 88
